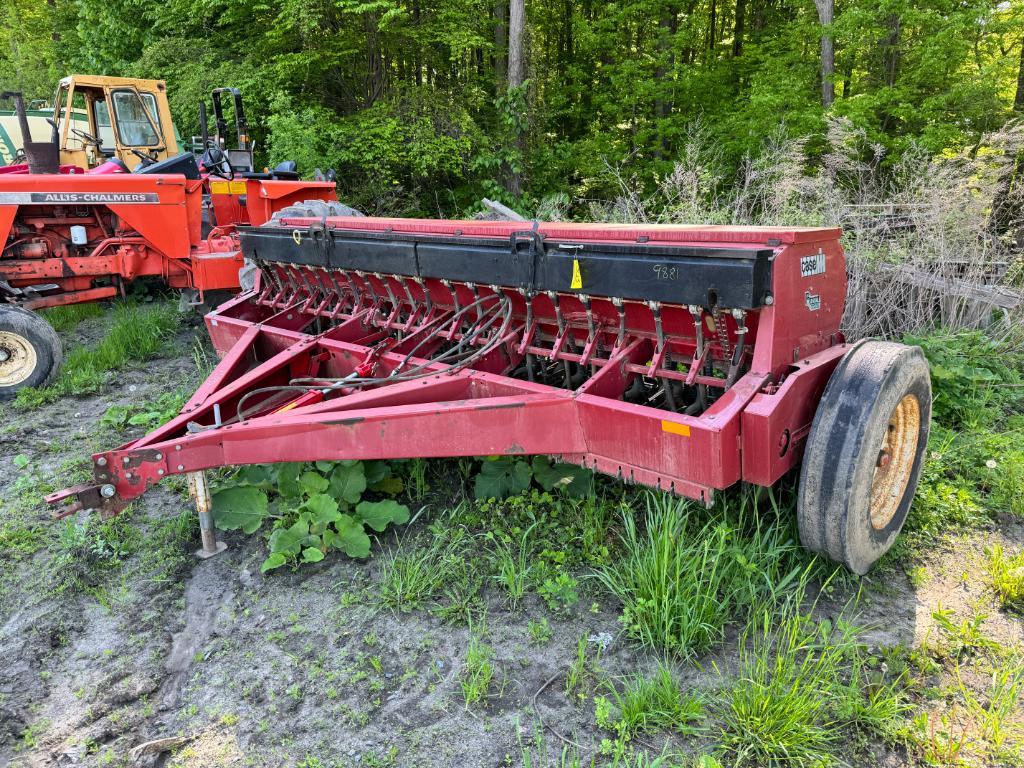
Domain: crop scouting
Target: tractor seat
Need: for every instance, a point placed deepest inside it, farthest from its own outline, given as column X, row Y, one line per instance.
column 286, row 171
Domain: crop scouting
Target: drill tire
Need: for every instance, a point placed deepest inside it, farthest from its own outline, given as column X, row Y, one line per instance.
column 864, row 453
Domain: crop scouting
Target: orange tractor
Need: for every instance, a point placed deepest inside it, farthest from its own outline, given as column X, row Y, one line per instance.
column 73, row 234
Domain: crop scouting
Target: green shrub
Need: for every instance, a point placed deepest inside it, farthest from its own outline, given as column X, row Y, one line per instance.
column 975, row 381
column 318, row 507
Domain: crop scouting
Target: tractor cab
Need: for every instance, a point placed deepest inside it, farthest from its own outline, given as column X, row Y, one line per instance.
column 101, row 119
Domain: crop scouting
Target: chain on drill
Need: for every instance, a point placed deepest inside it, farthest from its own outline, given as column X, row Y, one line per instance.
column 723, row 332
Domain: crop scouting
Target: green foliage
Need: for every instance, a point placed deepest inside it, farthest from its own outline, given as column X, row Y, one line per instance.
column 683, row 577
column 477, row 672
column 410, row 576
column 86, row 550
column 1007, row 575
column 974, row 465
column 559, row 591
column 974, row 379
column 136, row 334
column 412, row 106
column 802, row 685
column 30, row 736
column 574, row 479
column 534, row 542
column 540, row 631
column 66, row 317
column 513, row 563
column 503, row 476
column 145, row 416
column 23, row 531
column 318, row 508
column 647, row 705
column 241, row 507
column 582, row 669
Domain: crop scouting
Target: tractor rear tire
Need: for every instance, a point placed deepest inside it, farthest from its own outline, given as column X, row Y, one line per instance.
column 30, row 351
column 864, row 453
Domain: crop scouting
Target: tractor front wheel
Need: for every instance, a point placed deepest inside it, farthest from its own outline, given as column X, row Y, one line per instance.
column 864, row 453
column 30, row 350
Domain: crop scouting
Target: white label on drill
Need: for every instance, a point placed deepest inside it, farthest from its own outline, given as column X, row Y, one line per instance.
column 812, row 265
column 812, row 300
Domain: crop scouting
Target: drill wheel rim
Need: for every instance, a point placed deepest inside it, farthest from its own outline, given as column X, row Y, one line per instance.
column 18, row 359
column 895, row 462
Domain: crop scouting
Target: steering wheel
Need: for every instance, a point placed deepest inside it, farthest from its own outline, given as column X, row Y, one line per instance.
column 87, row 137
column 146, row 159
column 216, row 163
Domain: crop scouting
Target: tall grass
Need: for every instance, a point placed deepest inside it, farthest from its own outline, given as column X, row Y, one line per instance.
column 478, row 672
column 70, row 315
column 685, row 575
column 1007, row 575
column 648, row 704
column 136, row 333
column 409, row 577
column 802, row 685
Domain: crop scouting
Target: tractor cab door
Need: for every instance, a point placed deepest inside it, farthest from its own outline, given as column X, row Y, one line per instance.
column 77, row 130
column 138, row 133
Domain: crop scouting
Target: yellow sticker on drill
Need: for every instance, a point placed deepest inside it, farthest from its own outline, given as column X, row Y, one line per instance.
column 577, row 276
column 675, row 428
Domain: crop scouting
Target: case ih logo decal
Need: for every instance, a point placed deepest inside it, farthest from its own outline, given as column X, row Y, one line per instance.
column 95, row 197
column 812, row 265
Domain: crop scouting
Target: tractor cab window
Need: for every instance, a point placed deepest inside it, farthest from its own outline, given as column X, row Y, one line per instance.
column 133, row 124
column 104, row 128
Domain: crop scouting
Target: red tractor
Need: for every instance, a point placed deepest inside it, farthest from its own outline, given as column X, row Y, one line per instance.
column 82, row 235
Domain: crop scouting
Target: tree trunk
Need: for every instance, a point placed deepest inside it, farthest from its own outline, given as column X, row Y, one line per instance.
column 567, row 39
column 500, row 49
column 516, row 25
column 826, row 14
column 711, row 26
column 737, row 28
column 417, row 60
column 664, row 72
column 891, row 51
column 1018, row 102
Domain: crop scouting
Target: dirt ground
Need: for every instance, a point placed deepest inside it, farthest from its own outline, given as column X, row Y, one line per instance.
column 304, row 668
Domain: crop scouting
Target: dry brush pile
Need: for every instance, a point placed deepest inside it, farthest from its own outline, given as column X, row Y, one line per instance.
column 931, row 242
